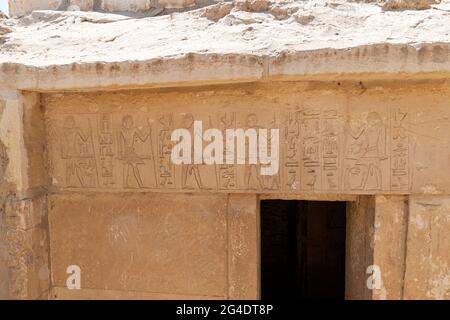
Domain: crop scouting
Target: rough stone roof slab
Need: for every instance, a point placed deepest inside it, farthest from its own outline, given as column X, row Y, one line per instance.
column 223, row 42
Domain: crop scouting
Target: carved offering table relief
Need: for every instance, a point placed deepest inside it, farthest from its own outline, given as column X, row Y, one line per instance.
column 324, row 146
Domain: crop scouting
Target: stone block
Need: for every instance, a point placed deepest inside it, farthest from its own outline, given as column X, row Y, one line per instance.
column 158, row 243
column 427, row 273
column 389, row 245
column 244, row 247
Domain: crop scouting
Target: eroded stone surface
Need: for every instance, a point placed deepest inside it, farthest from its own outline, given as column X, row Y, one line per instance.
column 136, row 224
column 24, row 263
column 359, row 247
column 244, row 247
column 389, row 245
column 24, row 236
column 409, row 4
column 150, row 243
column 427, row 254
column 240, row 30
column 332, row 139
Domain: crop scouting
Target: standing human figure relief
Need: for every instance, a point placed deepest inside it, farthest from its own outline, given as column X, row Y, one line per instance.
column 252, row 171
column 75, row 149
column 190, row 170
column 129, row 135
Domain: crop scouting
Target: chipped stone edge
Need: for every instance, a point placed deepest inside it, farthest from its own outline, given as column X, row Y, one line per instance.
column 368, row 62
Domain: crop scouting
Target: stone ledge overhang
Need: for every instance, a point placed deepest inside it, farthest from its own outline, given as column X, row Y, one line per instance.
column 385, row 61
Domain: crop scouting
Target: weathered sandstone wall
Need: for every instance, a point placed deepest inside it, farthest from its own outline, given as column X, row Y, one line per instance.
column 174, row 239
column 24, row 260
column 152, row 244
column 204, row 242
column 155, row 246
column 351, row 137
column 406, row 238
column 362, row 106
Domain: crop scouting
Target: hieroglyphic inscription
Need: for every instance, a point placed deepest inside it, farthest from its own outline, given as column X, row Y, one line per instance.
column 292, row 151
column 311, row 143
column 271, row 182
column 166, row 169
column 106, row 150
column 227, row 179
column 399, row 150
column 321, row 149
column 330, row 150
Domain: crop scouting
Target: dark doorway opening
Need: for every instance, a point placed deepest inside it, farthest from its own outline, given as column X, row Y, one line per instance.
column 302, row 249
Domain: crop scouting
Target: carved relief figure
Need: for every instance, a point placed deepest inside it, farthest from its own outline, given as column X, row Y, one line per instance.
column 190, row 171
column 319, row 151
column 252, row 176
column 77, row 150
column 129, row 136
column 368, row 148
